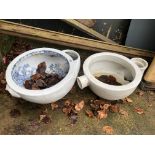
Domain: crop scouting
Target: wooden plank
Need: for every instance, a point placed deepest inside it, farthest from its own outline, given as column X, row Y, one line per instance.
column 87, row 22
column 150, row 74
column 87, row 30
column 68, row 40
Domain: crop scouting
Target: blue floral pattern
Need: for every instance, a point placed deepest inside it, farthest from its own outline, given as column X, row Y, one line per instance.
column 55, row 68
column 23, row 72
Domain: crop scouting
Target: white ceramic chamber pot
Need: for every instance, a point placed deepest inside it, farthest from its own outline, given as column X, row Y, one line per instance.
column 65, row 63
column 126, row 71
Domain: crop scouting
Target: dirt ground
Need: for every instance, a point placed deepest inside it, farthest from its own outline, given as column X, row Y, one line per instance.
column 28, row 122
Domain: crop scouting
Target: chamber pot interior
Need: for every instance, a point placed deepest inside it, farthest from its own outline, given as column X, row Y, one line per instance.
column 122, row 70
column 26, row 66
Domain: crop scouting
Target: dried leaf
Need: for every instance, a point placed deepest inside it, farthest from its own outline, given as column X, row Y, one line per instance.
column 41, row 79
column 45, row 119
column 36, row 76
column 106, row 106
column 108, row 79
column 19, row 46
column 102, row 114
column 54, row 105
column 108, row 129
column 34, row 87
column 67, row 102
column 89, row 113
column 79, row 106
column 139, row 111
column 129, row 100
column 41, row 68
column 42, row 117
column 28, row 84
column 70, row 110
column 114, row 108
column 123, row 112
column 67, row 110
column 140, row 93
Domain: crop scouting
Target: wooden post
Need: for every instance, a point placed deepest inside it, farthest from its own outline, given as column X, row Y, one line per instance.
column 150, row 74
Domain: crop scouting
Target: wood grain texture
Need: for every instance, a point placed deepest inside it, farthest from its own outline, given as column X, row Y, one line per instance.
column 87, row 22
column 87, row 30
column 150, row 74
column 68, row 40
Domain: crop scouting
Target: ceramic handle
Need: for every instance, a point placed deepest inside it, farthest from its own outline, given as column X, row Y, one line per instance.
column 76, row 60
column 82, row 81
column 141, row 63
column 74, row 55
column 13, row 93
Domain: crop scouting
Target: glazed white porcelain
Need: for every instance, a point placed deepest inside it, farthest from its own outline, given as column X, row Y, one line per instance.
column 65, row 63
column 141, row 63
column 126, row 71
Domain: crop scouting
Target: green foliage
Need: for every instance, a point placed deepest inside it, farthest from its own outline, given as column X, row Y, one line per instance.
column 5, row 45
